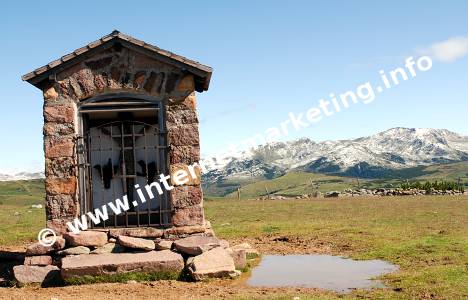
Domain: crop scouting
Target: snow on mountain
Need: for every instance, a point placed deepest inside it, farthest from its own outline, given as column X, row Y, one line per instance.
column 393, row 149
column 21, row 176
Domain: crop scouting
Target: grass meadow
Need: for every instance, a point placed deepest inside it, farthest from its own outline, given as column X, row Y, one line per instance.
column 427, row 236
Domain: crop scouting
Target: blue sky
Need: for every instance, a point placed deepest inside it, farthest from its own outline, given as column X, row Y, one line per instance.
column 269, row 58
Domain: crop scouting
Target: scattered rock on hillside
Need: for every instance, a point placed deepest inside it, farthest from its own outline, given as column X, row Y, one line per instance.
column 332, row 194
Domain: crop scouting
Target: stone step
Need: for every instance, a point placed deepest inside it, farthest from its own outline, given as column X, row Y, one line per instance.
column 86, row 238
column 135, row 243
column 112, row 263
column 35, row 274
column 196, row 244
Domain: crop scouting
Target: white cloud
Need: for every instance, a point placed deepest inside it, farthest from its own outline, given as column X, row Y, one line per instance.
column 449, row 50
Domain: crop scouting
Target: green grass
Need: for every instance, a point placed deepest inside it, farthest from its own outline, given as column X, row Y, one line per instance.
column 449, row 172
column 295, row 183
column 124, row 277
column 20, row 223
column 426, row 236
column 20, row 229
column 22, row 192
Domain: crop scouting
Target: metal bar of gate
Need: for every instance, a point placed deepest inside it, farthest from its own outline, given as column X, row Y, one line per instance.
column 113, row 173
column 124, row 169
column 135, row 170
column 146, row 172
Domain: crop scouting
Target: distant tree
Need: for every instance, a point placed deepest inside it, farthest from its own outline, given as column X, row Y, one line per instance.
column 436, row 185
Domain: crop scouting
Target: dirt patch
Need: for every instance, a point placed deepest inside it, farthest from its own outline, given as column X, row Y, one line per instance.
column 167, row 289
column 289, row 244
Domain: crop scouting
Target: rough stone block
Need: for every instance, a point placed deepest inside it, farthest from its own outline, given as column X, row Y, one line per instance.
column 186, row 196
column 58, row 129
column 35, row 274
column 85, row 80
column 239, row 256
column 100, row 81
column 137, row 232
column 62, row 167
column 179, row 115
column 38, row 249
column 163, row 245
column 188, row 216
column 56, row 186
column 184, row 230
column 99, row 264
column 59, row 148
column 50, row 94
column 135, row 243
column 87, row 238
column 74, row 251
column 196, row 244
column 183, row 135
column 184, row 154
column 41, row 260
column 215, row 263
column 58, row 225
column 59, row 114
column 191, row 102
column 59, row 206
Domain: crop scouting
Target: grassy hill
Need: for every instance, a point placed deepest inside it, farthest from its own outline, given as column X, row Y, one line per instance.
column 447, row 171
column 18, row 220
column 299, row 183
column 22, row 192
column 296, row 183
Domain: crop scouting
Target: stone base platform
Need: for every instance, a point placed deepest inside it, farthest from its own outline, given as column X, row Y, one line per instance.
column 140, row 250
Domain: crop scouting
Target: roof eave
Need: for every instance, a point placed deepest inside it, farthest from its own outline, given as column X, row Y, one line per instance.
column 41, row 74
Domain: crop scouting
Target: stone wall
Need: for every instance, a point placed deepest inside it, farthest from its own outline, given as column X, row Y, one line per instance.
column 113, row 70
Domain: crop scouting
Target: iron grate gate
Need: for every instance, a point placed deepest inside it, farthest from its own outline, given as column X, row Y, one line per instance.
column 120, row 155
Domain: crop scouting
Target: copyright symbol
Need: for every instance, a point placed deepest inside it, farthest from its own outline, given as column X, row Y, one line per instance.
column 46, row 237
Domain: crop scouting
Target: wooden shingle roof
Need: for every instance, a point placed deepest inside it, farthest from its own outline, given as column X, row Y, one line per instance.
column 202, row 72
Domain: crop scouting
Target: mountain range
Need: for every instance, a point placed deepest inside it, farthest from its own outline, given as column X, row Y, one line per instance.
column 394, row 153
column 387, row 154
column 21, row 176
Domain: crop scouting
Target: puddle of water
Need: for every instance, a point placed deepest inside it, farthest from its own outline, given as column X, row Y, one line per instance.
column 319, row 271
